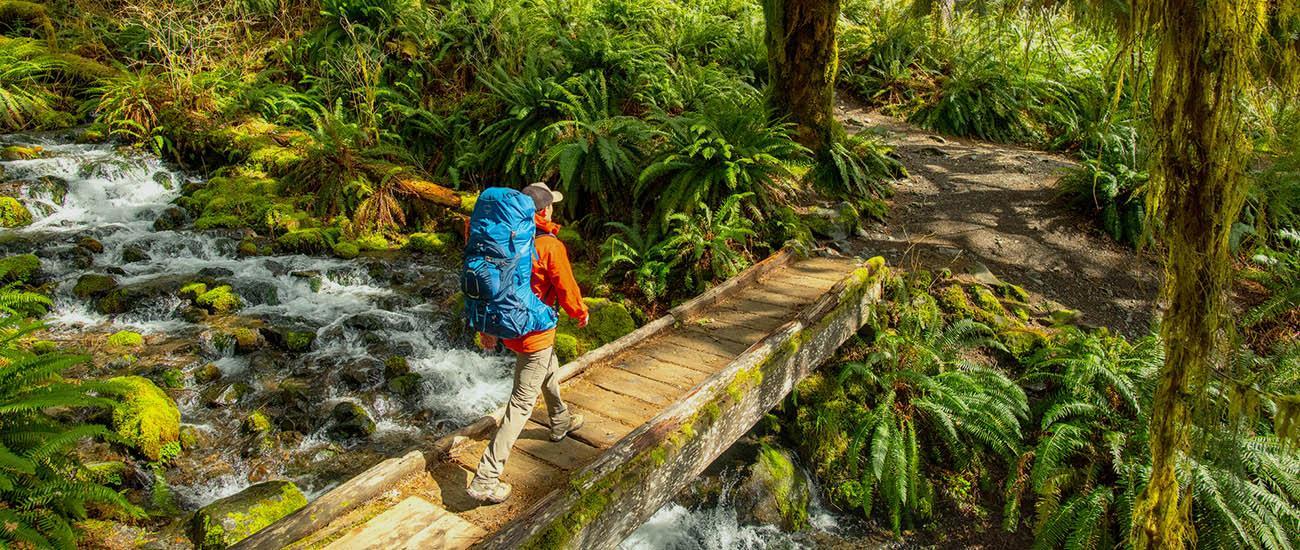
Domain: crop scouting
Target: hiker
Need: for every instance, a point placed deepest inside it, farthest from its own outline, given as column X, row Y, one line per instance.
column 536, row 366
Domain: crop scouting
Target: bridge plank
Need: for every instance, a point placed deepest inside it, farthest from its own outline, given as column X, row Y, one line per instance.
column 631, row 384
column 448, row 532
column 600, row 431
column 767, row 295
column 675, row 375
column 825, row 269
column 626, row 409
column 791, row 284
column 692, row 359
column 566, row 454
column 721, row 352
column 741, row 335
column 391, row 528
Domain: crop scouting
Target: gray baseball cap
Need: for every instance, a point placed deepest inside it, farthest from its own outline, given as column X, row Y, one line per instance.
column 542, row 195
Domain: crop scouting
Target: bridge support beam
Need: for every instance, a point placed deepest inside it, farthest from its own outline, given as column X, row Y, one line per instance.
column 611, row 497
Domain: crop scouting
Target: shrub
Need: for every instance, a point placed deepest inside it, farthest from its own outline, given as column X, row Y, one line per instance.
column 721, row 151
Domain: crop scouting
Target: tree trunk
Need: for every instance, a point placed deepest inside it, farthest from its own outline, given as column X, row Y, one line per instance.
column 1196, row 193
column 802, row 61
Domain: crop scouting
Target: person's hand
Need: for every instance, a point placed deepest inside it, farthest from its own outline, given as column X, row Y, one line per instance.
column 487, row 341
column 582, row 322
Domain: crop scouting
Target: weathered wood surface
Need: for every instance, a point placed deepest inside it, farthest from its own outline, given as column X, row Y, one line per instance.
column 710, row 369
column 335, row 503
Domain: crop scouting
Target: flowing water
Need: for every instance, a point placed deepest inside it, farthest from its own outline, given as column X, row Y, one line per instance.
column 362, row 312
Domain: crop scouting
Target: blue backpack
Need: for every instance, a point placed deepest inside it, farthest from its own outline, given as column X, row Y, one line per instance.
column 498, row 272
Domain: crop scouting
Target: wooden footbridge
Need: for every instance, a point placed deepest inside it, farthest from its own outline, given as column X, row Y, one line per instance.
column 661, row 404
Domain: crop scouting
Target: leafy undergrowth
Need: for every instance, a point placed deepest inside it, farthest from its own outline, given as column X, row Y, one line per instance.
column 963, row 398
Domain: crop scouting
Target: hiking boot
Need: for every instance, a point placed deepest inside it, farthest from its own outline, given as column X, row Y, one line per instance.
column 490, row 492
column 575, row 422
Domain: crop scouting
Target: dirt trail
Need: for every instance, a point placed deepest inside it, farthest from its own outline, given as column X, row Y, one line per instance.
column 969, row 205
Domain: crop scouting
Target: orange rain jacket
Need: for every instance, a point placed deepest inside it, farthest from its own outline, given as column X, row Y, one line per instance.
column 553, row 282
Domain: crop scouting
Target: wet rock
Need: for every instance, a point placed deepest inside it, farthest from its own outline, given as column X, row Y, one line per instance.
column 134, row 296
column 135, row 253
column 13, row 213
column 313, row 278
column 836, row 224
column 234, row 518
column 774, row 491
column 22, row 268
column 165, row 179
column 406, row 385
column 256, row 423
column 207, row 373
column 52, row 188
column 225, row 395
column 350, row 422
column 146, row 417
column 258, row 292
column 94, row 285
column 396, row 366
column 215, row 272
column 374, row 320
column 193, row 314
column 219, row 300
column 361, row 373
column 294, row 338
column 91, row 244
column 171, row 218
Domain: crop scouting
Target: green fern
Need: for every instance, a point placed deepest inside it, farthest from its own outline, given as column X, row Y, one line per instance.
column 43, row 487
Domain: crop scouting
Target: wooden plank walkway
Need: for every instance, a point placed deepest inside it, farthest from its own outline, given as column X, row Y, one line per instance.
column 617, row 394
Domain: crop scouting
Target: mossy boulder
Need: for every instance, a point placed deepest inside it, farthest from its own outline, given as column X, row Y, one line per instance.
column 307, row 241
column 347, row 250
column 146, row 417
column 396, row 366
column 372, row 242
column 775, row 491
column 207, row 373
column 351, row 421
column 21, row 268
column 290, row 338
column 171, row 218
column 91, row 245
column 232, row 519
column 566, row 347
column 609, row 321
column 13, row 213
column 221, row 299
column 407, row 385
column 431, row 243
column 125, row 340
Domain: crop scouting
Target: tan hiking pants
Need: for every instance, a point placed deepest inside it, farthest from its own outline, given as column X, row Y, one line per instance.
column 534, row 372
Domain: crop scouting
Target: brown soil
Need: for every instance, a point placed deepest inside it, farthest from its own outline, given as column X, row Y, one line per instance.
column 970, row 206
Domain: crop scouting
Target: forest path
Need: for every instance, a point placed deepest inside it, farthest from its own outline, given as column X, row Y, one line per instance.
column 970, row 206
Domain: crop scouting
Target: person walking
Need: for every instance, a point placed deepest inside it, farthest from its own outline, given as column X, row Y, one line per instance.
column 535, row 362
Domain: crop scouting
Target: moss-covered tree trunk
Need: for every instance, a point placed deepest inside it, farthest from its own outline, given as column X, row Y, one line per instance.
column 1202, row 71
column 802, row 61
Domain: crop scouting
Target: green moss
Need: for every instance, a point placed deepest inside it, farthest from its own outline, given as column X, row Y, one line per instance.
column 407, row 384
column 566, row 347
column 396, row 366
column 246, row 339
column 125, row 339
column 347, row 250
column 430, row 243
column 172, row 378
column 1013, row 293
column 247, row 248
column 92, row 285
column 256, row 423
column 299, row 341
column 467, row 203
column 990, row 309
column 219, row 300
column 234, row 518
column 20, row 268
column 42, row 347
column 207, row 373
column 1022, row 342
column 218, row 221
column 145, row 416
column 192, row 291
column 307, row 241
column 233, row 202
column 793, row 508
column 372, row 242
column 954, row 301
column 13, row 213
